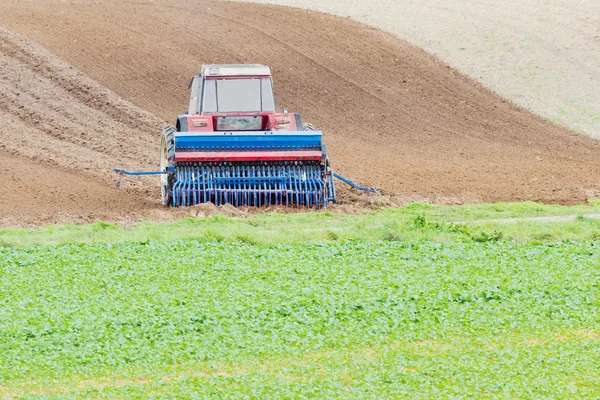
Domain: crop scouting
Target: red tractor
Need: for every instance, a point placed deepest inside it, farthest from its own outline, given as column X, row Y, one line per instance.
column 231, row 146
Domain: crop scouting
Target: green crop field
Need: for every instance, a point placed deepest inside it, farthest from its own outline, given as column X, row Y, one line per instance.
column 420, row 302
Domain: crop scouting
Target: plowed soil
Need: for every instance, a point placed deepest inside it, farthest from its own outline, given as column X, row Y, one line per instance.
column 37, row 193
column 393, row 116
column 60, row 136
column 544, row 54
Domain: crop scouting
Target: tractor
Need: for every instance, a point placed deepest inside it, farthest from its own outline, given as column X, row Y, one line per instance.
column 232, row 147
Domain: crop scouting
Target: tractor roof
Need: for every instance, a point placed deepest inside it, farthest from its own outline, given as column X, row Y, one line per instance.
column 236, row 70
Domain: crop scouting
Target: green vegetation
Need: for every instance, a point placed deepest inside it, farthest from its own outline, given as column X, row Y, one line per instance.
column 443, row 224
column 416, row 302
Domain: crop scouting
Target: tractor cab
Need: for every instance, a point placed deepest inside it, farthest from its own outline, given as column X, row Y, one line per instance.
column 234, row 97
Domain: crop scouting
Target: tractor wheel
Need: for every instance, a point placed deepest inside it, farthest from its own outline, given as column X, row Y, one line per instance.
column 308, row 127
column 167, row 159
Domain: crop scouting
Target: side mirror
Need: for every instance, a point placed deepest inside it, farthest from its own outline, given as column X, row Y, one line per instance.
column 286, row 111
column 186, row 112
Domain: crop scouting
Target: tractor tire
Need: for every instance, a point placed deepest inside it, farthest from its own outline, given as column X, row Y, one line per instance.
column 308, row 127
column 167, row 159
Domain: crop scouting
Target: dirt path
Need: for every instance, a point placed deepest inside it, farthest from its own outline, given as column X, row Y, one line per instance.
column 393, row 116
column 544, row 55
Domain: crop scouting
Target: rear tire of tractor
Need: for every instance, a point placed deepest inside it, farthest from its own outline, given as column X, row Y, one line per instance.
column 308, row 127
column 167, row 160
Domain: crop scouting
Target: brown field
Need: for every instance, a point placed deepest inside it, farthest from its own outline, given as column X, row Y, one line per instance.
column 393, row 116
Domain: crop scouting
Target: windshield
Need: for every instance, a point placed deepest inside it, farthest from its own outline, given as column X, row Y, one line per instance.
column 238, row 95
